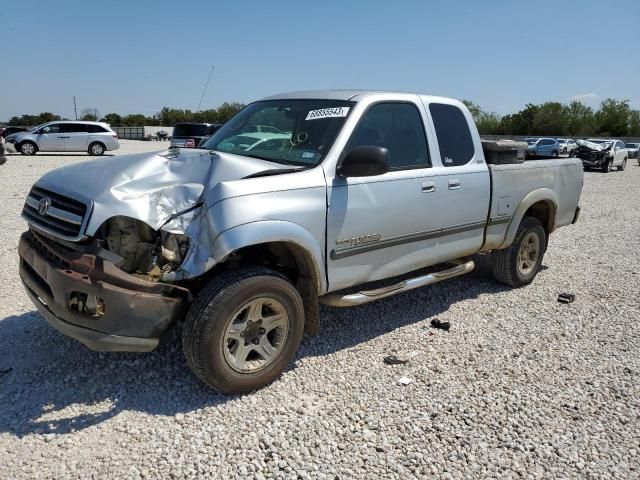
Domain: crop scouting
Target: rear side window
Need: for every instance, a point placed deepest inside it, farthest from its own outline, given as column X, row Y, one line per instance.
column 191, row 130
column 72, row 128
column 95, row 128
column 454, row 137
column 397, row 127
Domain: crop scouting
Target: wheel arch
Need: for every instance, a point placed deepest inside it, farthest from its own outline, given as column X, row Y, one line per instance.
column 541, row 204
column 288, row 243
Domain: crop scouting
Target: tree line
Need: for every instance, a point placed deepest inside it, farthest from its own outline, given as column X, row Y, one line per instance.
column 167, row 117
column 614, row 118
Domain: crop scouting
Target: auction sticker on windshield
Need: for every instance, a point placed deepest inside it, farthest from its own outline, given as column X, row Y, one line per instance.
column 327, row 113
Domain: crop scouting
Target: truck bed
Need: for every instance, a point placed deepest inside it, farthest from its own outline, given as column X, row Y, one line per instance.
column 513, row 185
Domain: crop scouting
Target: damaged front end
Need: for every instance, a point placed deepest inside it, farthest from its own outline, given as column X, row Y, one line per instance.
column 593, row 155
column 81, row 292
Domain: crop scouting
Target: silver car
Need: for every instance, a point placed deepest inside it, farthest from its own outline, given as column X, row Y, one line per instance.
column 66, row 136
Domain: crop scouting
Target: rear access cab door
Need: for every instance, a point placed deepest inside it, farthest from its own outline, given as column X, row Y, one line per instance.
column 430, row 207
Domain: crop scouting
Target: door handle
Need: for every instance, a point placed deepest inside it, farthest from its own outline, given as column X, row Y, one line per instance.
column 428, row 187
column 454, row 184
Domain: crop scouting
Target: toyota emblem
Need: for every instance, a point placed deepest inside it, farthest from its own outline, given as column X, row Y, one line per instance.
column 44, row 205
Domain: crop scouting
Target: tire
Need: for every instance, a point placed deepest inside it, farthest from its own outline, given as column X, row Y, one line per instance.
column 507, row 262
column 215, row 342
column 96, row 148
column 28, row 148
column 623, row 166
column 564, row 151
column 554, row 154
column 572, row 154
column 606, row 168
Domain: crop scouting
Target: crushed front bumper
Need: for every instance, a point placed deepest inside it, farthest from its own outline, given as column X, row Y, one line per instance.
column 88, row 298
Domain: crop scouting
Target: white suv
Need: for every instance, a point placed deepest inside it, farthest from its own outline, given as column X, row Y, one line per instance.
column 66, row 136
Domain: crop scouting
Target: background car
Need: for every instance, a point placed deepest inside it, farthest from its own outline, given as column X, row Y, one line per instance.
column 11, row 130
column 66, row 136
column 189, row 135
column 566, row 145
column 617, row 154
column 633, row 150
column 542, row 147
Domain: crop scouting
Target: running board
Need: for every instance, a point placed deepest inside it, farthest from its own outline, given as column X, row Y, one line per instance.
column 366, row 296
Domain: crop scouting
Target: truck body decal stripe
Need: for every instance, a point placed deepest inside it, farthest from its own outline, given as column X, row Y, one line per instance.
column 499, row 220
column 339, row 253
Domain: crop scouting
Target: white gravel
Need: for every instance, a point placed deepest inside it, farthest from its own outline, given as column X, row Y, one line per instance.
column 521, row 386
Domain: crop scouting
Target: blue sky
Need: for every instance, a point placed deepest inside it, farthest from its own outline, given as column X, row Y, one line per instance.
column 137, row 56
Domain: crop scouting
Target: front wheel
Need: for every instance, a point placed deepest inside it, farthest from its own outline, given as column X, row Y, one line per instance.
column 554, row 154
column 28, row 148
column 243, row 329
column 623, row 166
column 518, row 264
column 606, row 168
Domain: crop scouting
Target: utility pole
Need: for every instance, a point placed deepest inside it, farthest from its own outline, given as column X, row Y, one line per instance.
column 75, row 108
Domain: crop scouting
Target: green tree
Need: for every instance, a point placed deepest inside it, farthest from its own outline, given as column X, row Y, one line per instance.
column 90, row 114
column 31, row 120
column 112, row 119
column 634, row 123
column 613, row 118
column 579, row 119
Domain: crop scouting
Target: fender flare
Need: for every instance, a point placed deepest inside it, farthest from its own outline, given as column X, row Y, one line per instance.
column 538, row 195
column 269, row 231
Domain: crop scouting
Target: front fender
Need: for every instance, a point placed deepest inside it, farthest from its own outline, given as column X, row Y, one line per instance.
column 539, row 195
column 267, row 231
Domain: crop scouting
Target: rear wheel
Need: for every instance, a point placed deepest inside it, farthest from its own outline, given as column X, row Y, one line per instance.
column 243, row 329
column 518, row 264
column 96, row 148
column 28, row 148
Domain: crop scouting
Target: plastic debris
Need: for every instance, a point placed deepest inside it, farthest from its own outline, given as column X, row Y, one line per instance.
column 566, row 298
column 404, row 380
column 437, row 323
column 394, row 360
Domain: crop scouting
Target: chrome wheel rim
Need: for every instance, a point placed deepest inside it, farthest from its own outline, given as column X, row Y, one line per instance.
column 255, row 335
column 528, row 254
column 27, row 148
column 96, row 149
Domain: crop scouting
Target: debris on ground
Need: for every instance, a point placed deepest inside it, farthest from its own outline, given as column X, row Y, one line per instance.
column 566, row 298
column 405, row 380
column 442, row 325
column 394, row 360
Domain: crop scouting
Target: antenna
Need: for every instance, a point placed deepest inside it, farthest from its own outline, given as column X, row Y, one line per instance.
column 75, row 108
column 205, row 88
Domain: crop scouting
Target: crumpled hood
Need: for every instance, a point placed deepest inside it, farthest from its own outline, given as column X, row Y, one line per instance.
column 150, row 186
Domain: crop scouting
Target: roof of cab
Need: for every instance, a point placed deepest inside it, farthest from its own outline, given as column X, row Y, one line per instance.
column 354, row 95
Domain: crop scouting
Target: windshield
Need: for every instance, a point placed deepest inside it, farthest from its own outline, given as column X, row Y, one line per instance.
column 193, row 129
column 37, row 127
column 531, row 141
column 291, row 132
column 631, row 145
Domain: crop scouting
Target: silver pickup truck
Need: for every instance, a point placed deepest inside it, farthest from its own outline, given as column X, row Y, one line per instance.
column 295, row 199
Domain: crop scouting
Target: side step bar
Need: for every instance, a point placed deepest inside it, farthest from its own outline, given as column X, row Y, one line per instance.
column 353, row 299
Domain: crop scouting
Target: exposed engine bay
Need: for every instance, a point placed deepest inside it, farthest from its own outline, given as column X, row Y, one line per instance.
column 145, row 252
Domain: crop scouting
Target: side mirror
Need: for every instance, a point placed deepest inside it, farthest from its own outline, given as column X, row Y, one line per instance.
column 364, row 161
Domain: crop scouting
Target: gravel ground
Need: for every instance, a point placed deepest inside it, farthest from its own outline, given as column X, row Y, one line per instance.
column 521, row 386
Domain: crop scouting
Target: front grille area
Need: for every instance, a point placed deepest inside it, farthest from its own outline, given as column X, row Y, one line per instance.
column 63, row 216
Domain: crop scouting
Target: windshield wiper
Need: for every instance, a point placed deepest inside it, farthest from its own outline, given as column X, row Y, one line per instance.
column 274, row 171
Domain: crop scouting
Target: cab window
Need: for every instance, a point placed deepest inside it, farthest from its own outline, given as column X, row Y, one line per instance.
column 398, row 127
column 454, row 137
